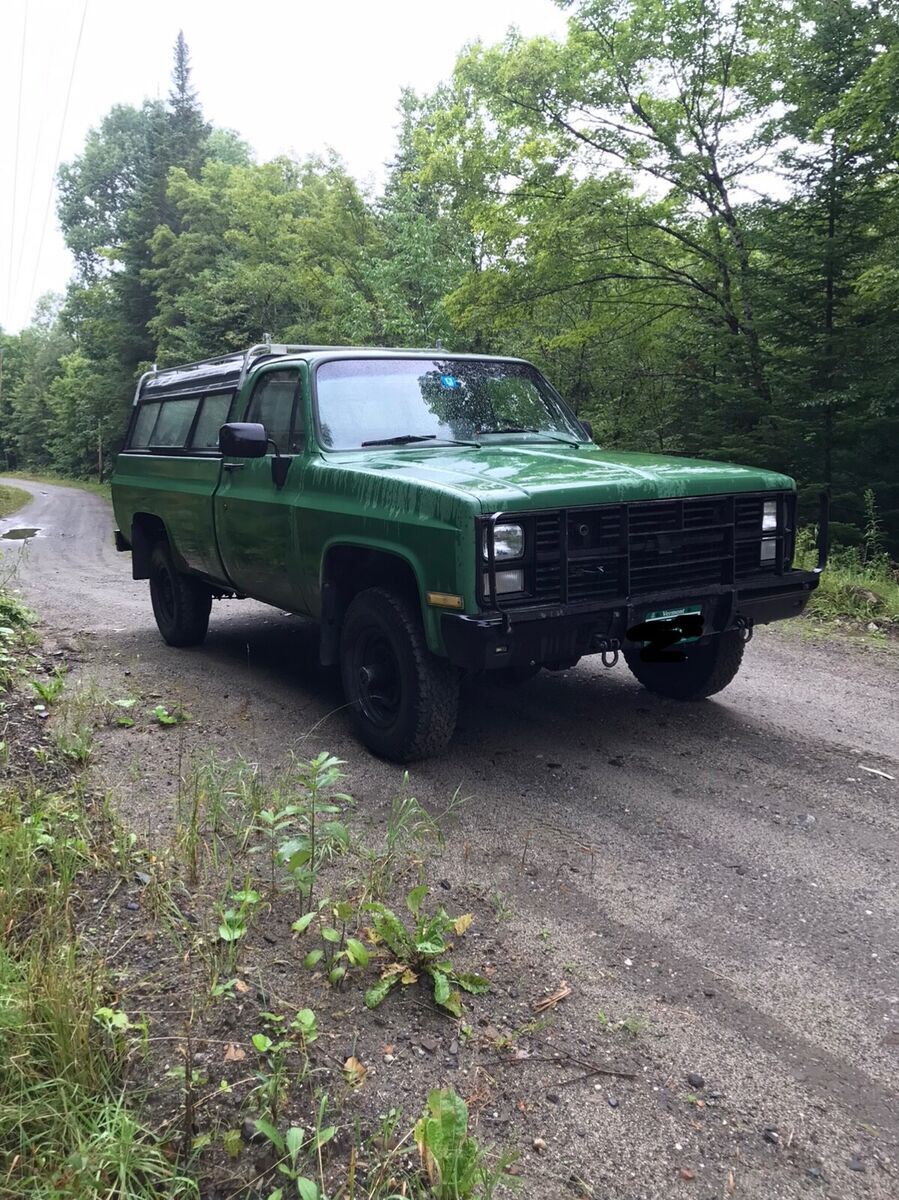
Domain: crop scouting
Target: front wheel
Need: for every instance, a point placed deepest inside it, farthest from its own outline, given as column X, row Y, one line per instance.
column 705, row 670
column 181, row 604
column 403, row 698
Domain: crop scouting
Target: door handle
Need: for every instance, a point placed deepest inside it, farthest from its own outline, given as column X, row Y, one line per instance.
column 233, row 466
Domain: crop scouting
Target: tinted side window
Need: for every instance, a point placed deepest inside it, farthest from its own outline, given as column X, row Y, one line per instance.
column 213, row 416
column 273, row 406
column 143, row 426
column 173, row 424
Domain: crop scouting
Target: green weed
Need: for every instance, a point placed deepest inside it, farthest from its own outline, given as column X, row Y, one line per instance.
column 422, row 951
column 455, row 1164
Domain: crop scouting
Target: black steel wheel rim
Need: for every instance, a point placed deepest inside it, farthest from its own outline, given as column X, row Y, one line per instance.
column 378, row 684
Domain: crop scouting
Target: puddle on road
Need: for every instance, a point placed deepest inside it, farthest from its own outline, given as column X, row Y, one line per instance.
column 19, row 535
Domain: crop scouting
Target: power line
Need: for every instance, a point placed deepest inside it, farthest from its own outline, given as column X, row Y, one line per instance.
column 15, row 172
column 34, row 161
column 62, row 129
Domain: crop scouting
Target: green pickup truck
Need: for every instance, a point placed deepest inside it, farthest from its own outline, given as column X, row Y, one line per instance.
column 440, row 515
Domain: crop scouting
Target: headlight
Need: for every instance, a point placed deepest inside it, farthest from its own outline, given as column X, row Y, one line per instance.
column 508, row 542
column 506, row 581
column 769, row 515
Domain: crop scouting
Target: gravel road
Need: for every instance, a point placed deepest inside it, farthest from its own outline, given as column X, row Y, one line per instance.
column 724, row 871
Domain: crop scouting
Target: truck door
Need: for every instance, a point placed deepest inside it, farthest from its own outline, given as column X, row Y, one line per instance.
column 254, row 518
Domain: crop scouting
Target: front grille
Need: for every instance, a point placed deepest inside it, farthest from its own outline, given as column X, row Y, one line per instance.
column 617, row 552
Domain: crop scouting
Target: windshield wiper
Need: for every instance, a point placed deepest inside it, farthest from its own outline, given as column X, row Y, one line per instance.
column 402, row 439
column 526, row 429
column 406, row 439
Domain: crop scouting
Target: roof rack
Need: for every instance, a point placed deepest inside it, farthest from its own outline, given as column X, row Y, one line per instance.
column 230, row 370
column 221, row 371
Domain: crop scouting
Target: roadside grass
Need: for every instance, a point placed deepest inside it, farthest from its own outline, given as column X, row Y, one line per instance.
column 104, row 1094
column 65, row 1129
column 12, row 499
column 87, row 485
column 856, row 588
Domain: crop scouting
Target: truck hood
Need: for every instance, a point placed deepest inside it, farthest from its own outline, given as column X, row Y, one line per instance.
column 520, row 476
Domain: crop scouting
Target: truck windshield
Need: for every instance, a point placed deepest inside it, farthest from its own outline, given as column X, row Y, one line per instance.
column 414, row 401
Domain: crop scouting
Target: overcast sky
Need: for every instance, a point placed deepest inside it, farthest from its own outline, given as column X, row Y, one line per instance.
column 291, row 76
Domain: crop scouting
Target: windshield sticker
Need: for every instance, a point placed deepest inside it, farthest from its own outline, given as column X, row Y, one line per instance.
column 450, row 382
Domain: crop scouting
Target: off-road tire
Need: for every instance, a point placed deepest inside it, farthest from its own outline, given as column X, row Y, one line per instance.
column 414, row 714
column 181, row 603
column 707, row 669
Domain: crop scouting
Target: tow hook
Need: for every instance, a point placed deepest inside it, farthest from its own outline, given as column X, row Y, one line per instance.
column 608, row 649
column 745, row 628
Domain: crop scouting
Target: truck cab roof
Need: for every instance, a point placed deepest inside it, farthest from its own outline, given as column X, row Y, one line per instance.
column 232, row 370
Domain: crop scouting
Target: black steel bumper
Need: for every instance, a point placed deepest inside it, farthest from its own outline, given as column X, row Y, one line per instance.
column 558, row 635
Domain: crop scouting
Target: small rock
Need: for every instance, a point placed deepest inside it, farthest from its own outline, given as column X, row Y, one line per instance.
column 250, row 1133
column 454, row 1047
column 132, row 905
column 695, row 1080
column 687, row 1173
column 389, row 1058
column 709, row 992
column 613, row 1101
column 814, row 1173
column 808, row 820
column 142, row 877
column 539, row 1145
column 552, row 1097
column 771, row 1135
column 856, row 1164
column 445, row 884
column 428, row 1043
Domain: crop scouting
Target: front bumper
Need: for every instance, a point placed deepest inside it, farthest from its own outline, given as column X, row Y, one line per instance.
column 558, row 635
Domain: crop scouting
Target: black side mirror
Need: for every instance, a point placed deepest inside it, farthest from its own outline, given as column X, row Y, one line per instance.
column 243, row 439
column 587, row 428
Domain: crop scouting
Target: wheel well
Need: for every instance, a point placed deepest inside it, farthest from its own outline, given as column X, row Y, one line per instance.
column 146, row 531
column 349, row 570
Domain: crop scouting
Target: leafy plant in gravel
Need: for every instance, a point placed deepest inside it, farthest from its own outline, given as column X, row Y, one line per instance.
column 294, row 1147
column 234, row 922
column 177, row 715
column 294, row 835
column 338, row 952
column 50, row 689
column 124, row 704
column 274, row 1047
column 423, row 951
column 454, row 1162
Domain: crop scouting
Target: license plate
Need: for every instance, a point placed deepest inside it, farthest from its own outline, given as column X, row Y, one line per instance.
column 665, row 614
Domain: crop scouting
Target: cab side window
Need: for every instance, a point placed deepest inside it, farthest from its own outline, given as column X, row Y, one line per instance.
column 174, row 419
column 275, row 404
column 143, row 425
column 213, row 416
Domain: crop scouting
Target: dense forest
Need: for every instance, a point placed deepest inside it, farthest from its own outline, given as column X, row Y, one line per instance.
column 686, row 212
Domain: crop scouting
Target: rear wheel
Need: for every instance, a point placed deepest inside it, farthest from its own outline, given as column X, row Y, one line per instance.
column 707, row 668
column 404, row 699
column 181, row 604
